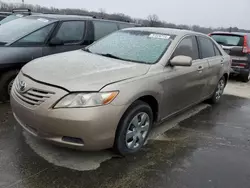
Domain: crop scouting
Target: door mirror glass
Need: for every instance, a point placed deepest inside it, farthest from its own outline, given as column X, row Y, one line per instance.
column 181, row 60
column 56, row 42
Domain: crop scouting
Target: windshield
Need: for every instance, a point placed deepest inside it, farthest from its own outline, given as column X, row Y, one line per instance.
column 228, row 40
column 131, row 45
column 15, row 29
column 9, row 18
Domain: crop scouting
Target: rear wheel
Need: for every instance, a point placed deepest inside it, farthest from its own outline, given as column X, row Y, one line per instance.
column 134, row 128
column 6, row 82
column 218, row 91
column 245, row 77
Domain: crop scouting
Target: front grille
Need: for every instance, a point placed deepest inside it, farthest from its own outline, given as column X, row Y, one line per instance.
column 32, row 96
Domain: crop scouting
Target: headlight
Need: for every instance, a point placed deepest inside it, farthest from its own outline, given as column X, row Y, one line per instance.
column 78, row 100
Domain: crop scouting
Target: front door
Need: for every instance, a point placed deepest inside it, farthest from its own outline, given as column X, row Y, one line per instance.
column 183, row 85
column 69, row 36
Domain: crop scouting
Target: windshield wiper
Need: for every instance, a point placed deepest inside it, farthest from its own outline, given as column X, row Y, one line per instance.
column 86, row 50
column 112, row 56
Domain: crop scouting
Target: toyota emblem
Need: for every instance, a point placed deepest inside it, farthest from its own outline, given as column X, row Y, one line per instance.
column 22, row 86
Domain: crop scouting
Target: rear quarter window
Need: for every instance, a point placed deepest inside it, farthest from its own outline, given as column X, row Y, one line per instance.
column 217, row 51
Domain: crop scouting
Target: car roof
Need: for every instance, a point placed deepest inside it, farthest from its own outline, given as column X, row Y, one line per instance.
column 161, row 30
column 5, row 13
column 232, row 33
column 59, row 17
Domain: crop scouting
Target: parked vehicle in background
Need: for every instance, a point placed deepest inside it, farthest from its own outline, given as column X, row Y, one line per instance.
column 111, row 93
column 3, row 15
column 28, row 38
column 237, row 45
column 16, row 13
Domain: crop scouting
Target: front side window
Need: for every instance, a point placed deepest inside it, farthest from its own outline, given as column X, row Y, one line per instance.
column 18, row 28
column 103, row 28
column 131, row 45
column 38, row 37
column 207, row 47
column 188, row 47
column 71, row 31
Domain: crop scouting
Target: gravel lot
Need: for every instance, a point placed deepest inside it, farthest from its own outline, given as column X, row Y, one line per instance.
column 207, row 146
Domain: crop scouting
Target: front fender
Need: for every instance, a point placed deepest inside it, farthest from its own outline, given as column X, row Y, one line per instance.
column 130, row 91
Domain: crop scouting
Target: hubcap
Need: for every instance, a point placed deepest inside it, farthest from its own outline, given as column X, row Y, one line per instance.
column 220, row 89
column 10, row 86
column 137, row 130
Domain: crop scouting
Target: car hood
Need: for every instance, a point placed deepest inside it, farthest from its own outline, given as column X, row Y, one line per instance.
column 82, row 71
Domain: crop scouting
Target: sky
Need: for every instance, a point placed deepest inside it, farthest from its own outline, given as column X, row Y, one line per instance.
column 208, row 13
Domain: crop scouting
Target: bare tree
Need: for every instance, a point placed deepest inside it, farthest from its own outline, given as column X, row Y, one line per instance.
column 152, row 20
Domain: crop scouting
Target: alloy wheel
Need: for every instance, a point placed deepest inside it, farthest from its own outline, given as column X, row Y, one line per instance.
column 220, row 89
column 137, row 130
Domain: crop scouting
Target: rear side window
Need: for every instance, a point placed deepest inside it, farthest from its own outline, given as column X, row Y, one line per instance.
column 123, row 25
column 206, row 47
column 188, row 47
column 103, row 28
column 38, row 37
column 228, row 40
column 71, row 31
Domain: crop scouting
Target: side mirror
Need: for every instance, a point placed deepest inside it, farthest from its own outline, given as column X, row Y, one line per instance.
column 56, row 42
column 181, row 60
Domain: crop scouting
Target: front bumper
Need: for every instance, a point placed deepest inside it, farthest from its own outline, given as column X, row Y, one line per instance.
column 84, row 128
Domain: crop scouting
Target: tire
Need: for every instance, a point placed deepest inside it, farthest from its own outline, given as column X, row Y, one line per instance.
column 218, row 91
column 245, row 77
column 130, row 137
column 6, row 81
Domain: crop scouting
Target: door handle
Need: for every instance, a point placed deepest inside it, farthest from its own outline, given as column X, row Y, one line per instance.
column 200, row 68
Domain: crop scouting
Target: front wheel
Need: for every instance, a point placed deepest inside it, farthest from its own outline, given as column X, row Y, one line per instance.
column 218, row 91
column 134, row 128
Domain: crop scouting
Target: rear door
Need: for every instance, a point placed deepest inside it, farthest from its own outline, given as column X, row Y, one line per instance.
column 210, row 52
column 71, row 34
column 103, row 28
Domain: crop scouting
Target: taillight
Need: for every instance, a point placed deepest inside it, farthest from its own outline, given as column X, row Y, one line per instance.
column 245, row 45
column 241, row 64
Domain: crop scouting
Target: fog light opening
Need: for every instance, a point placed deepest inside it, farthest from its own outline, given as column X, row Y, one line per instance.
column 72, row 140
